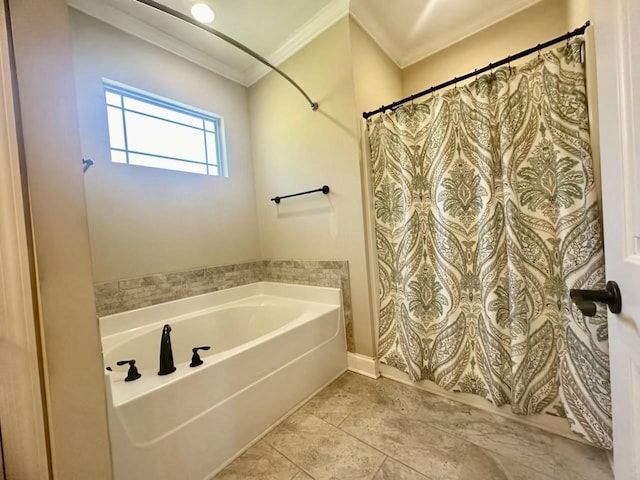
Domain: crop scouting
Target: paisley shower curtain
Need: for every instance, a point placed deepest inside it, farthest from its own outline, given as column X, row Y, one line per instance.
column 486, row 215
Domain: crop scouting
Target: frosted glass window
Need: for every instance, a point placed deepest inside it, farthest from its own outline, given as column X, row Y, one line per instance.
column 118, row 156
column 113, row 99
column 116, row 128
column 211, row 147
column 166, row 163
column 151, row 132
column 162, row 112
column 166, row 139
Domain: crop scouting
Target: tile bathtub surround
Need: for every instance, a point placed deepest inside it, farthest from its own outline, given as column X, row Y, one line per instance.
column 128, row 294
column 319, row 273
column 360, row 428
column 131, row 293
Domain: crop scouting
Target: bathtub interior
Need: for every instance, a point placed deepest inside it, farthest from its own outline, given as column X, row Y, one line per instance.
column 220, row 327
column 229, row 321
column 273, row 346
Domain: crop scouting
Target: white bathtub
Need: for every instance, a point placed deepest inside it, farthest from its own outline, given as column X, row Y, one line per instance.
column 273, row 345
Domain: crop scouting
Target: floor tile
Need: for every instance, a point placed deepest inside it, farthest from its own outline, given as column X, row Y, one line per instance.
column 392, row 470
column 526, row 445
column 324, row 451
column 413, row 442
column 581, row 462
column 332, row 405
column 440, row 455
column 421, row 435
column 260, row 462
column 517, row 442
column 413, row 401
column 302, row 476
column 480, row 464
column 397, row 396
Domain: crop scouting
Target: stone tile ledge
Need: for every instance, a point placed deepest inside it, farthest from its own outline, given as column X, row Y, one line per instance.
column 130, row 293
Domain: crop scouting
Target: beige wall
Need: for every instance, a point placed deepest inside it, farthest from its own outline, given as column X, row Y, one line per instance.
column 377, row 79
column 578, row 12
column 534, row 25
column 73, row 370
column 147, row 220
column 296, row 149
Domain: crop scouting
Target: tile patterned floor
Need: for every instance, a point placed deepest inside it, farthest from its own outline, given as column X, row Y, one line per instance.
column 363, row 429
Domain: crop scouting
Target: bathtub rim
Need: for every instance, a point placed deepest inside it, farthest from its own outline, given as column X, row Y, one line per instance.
column 131, row 319
column 141, row 330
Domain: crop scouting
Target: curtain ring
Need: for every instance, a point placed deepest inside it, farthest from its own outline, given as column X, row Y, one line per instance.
column 539, row 53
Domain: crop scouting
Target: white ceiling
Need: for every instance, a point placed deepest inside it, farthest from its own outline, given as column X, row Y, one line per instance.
column 410, row 30
column 407, row 30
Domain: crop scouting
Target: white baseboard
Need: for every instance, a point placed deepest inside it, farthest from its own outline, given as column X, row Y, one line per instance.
column 555, row 425
column 363, row 365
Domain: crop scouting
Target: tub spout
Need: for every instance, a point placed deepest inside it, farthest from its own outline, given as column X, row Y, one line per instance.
column 166, row 354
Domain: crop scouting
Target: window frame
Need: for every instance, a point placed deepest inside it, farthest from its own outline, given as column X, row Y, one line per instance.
column 135, row 94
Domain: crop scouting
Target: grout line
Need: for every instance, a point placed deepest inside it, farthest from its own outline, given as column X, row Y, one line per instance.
column 405, row 465
column 487, row 407
column 349, row 435
column 346, row 433
column 363, row 401
column 293, row 463
column 387, row 455
column 286, row 458
column 440, row 429
column 360, row 401
column 276, row 424
column 380, row 467
column 447, row 433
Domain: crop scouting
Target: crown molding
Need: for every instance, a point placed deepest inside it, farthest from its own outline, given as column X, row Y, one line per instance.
column 404, row 58
column 416, row 54
column 325, row 18
column 111, row 15
column 378, row 34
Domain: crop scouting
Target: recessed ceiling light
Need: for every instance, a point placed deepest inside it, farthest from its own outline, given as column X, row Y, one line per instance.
column 203, row 13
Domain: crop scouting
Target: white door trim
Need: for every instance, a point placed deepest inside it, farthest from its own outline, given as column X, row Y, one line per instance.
column 21, row 398
column 618, row 56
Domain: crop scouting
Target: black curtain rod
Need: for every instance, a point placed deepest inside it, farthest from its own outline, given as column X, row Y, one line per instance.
column 491, row 66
